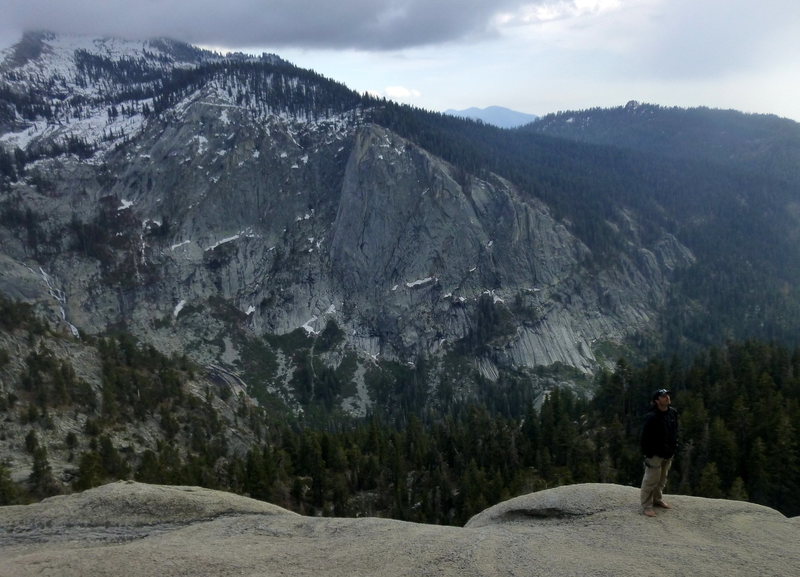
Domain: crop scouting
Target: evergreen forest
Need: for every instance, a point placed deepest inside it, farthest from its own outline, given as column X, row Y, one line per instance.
column 738, row 405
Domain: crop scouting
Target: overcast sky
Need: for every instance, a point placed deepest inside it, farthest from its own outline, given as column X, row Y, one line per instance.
column 533, row 56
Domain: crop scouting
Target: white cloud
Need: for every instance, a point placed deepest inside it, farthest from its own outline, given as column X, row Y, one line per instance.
column 397, row 93
column 549, row 10
column 402, row 93
column 362, row 24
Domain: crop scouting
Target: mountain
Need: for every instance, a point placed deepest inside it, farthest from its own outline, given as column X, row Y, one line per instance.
column 755, row 142
column 342, row 254
column 142, row 530
column 231, row 272
column 205, row 203
column 745, row 209
column 495, row 115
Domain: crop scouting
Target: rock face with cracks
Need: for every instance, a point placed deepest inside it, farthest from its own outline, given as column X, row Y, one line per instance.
column 217, row 195
column 141, row 530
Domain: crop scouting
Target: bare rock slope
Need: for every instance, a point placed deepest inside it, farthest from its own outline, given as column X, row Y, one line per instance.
column 134, row 529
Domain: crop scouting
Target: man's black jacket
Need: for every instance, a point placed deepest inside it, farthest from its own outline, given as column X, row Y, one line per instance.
column 660, row 433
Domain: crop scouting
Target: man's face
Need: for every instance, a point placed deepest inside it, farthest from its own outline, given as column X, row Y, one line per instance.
column 663, row 402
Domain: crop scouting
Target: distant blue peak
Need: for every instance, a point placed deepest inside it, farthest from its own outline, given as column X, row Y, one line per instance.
column 495, row 115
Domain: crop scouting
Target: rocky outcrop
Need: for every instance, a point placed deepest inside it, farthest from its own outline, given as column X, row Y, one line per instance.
column 141, row 530
column 238, row 207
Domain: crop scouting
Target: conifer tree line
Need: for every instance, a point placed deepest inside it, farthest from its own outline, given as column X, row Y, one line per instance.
column 739, row 406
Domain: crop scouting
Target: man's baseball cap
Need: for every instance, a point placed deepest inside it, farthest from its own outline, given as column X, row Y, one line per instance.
column 660, row 393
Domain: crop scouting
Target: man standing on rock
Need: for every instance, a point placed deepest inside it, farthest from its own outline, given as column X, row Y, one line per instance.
column 659, row 442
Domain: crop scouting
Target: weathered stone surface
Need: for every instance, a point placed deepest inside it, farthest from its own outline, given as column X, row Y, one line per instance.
column 286, row 219
column 141, row 531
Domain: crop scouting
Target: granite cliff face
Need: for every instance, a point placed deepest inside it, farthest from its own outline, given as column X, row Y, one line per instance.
column 203, row 202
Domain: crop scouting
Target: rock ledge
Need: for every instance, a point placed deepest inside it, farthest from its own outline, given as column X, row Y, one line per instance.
column 141, row 530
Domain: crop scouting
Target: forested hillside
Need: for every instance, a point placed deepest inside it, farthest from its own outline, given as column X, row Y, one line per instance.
column 726, row 183
column 758, row 144
column 739, row 406
column 749, row 210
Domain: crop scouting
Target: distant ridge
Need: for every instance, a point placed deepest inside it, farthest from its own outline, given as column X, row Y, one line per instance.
column 495, row 115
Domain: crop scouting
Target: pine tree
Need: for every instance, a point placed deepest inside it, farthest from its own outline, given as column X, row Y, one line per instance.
column 149, row 470
column 8, row 490
column 738, row 491
column 31, row 441
column 41, row 479
column 710, row 484
column 257, row 477
column 111, row 461
column 90, row 471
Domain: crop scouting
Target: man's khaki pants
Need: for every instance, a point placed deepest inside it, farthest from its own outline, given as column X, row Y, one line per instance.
column 654, row 481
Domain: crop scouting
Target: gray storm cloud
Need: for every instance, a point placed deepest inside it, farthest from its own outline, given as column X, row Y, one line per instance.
column 544, row 54
column 359, row 24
